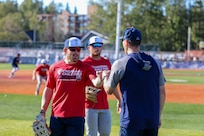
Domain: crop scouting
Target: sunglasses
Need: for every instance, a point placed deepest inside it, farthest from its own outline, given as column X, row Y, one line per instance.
column 73, row 49
column 94, row 45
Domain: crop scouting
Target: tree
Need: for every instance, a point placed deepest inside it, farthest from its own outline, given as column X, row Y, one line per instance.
column 12, row 30
column 162, row 22
column 197, row 23
column 104, row 18
column 10, row 22
column 68, row 8
column 75, row 10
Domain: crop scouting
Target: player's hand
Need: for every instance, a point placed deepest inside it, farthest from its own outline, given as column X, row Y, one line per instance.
column 33, row 78
column 118, row 107
column 105, row 74
column 99, row 74
column 42, row 113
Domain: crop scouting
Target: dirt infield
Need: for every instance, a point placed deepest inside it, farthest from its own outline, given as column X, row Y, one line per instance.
column 22, row 83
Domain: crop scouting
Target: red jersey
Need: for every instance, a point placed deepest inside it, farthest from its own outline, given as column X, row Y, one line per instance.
column 68, row 83
column 42, row 69
column 98, row 65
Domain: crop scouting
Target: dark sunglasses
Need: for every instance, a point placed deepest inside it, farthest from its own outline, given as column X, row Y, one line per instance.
column 75, row 49
column 96, row 45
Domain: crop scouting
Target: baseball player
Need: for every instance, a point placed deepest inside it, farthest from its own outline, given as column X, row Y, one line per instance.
column 142, row 85
column 14, row 64
column 41, row 73
column 98, row 116
column 65, row 87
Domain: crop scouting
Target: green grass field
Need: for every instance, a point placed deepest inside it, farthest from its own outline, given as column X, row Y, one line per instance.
column 17, row 112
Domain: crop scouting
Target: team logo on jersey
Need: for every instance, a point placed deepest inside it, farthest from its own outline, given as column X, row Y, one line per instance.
column 100, row 67
column 69, row 75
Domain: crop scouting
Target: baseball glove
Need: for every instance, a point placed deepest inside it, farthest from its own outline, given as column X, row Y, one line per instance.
column 40, row 127
column 91, row 93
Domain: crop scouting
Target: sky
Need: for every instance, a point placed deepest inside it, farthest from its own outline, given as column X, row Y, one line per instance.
column 81, row 5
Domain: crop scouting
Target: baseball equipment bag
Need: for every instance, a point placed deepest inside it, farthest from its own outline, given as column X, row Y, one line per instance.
column 40, row 127
column 91, row 93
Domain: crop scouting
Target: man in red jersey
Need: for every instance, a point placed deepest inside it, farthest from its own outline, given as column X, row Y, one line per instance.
column 65, row 86
column 98, row 116
column 41, row 73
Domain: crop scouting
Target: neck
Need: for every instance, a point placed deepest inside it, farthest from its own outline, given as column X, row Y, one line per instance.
column 67, row 61
column 133, row 50
column 95, row 57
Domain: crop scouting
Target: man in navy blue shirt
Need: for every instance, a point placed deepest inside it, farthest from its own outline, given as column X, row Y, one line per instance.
column 142, row 85
column 14, row 64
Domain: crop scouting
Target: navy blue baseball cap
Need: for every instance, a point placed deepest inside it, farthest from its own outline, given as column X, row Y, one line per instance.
column 131, row 34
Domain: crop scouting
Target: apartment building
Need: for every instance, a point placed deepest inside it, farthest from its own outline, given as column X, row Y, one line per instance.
column 72, row 24
column 63, row 25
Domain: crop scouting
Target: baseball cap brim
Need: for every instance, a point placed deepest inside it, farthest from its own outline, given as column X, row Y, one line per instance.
column 121, row 38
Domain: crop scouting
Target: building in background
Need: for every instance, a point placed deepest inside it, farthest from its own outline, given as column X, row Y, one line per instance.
column 60, row 26
column 49, row 21
column 72, row 24
column 87, row 36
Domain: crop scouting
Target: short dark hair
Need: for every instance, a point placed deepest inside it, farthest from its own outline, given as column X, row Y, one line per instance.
column 134, row 43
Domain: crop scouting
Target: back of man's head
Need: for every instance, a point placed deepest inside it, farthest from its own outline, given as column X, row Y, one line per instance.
column 133, row 35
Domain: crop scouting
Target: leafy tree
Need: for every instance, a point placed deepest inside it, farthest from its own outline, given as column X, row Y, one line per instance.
column 12, row 30
column 176, row 26
column 51, row 8
column 197, row 23
column 104, row 19
column 162, row 22
column 10, row 22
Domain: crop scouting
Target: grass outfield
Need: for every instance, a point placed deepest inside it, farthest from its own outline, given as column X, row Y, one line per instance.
column 19, row 111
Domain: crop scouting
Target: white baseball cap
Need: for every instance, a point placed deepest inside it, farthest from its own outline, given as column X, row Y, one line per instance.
column 73, row 42
column 95, row 39
column 43, row 61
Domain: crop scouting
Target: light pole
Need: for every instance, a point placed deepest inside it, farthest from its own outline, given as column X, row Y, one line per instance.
column 118, row 24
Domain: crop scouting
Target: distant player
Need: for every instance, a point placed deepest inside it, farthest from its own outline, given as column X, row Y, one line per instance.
column 39, row 58
column 41, row 73
column 14, row 64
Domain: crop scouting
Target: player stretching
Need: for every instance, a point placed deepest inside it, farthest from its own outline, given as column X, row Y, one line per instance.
column 41, row 73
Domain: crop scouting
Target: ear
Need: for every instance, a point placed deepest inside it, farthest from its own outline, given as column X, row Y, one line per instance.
column 65, row 50
column 88, row 47
column 126, row 43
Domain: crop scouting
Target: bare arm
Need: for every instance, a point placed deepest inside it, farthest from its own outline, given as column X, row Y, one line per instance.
column 97, row 82
column 117, row 94
column 109, row 90
column 34, row 75
column 46, row 97
column 162, row 100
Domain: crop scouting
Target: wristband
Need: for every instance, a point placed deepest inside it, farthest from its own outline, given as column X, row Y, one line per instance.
column 42, row 111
